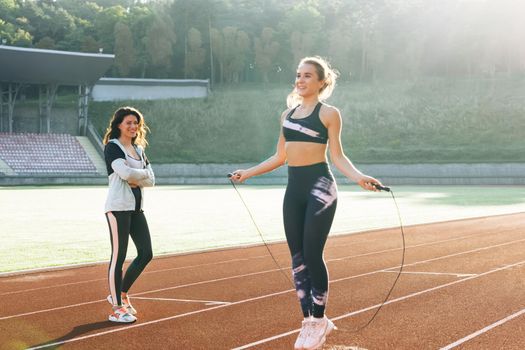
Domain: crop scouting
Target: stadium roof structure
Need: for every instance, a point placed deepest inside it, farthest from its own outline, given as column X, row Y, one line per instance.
column 35, row 66
column 50, row 69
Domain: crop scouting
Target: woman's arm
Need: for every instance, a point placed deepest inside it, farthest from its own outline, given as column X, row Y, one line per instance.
column 150, row 180
column 127, row 173
column 116, row 161
column 332, row 119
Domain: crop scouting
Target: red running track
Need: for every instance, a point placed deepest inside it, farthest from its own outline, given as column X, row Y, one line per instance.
column 463, row 287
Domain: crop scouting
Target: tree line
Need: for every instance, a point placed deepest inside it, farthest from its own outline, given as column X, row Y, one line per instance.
column 231, row 41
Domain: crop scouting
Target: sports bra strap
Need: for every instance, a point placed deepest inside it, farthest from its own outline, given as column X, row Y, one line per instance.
column 317, row 108
column 291, row 111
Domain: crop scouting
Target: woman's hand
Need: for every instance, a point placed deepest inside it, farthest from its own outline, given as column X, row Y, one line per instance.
column 367, row 182
column 239, row 175
column 133, row 184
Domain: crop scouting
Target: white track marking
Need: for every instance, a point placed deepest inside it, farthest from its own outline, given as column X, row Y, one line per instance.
column 484, row 330
column 269, row 271
column 144, row 273
column 408, row 296
column 433, row 273
column 52, row 309
column 244, row 259
column 206, row 302
column 135, row 294
column 429, row 260
column 127, row 327
column 275, row 294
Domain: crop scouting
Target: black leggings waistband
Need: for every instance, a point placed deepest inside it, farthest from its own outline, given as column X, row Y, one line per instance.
column 312, row 171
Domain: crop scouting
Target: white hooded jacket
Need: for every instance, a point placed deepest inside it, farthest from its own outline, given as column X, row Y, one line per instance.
column 120, row 197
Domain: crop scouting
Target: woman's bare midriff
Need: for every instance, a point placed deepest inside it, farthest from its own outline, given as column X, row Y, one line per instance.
column 305, row 153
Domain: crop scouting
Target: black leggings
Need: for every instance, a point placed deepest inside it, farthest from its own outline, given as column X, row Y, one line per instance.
column 123, row 224
column 308, row 211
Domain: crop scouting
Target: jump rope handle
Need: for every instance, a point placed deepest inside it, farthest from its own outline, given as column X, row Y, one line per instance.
column 381, row 188
column 232, row 175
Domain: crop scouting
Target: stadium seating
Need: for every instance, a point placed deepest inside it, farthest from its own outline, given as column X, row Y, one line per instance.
column 29, row 153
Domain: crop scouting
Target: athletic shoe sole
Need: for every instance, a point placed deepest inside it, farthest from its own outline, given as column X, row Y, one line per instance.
column 329, row 328
column 121, row 320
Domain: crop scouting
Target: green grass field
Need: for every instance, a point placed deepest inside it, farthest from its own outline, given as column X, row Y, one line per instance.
column 425, row 121
column 53, row 226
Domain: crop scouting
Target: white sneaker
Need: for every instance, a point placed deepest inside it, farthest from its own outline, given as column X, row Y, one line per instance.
column 303, row 334
column 121, row 315
column 318, row 330
column 125, row 302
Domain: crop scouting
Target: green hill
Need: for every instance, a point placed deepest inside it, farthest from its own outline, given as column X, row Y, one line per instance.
column 433, row 121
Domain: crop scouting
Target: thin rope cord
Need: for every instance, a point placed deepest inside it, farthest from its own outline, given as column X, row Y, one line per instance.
column 400, row 268
column 261, row 235
column 293, row 284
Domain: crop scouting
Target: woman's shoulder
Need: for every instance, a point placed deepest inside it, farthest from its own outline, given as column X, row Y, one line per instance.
column 112, row 148
column 329, row 115
column 329, row 111
column 111, row 145
column 326, row 108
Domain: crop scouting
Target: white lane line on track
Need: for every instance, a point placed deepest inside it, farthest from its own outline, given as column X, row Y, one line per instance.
column 144, row 273
column 433, row 273
column 206, row 302
column 330, row 245
column 268, row 271
column 408, row 296
column 127, row 328
column 483, row 330
column 142, row 293
column 244, row 259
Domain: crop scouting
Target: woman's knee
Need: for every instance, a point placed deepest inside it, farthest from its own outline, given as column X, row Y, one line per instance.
column 121, row 257
column 313, row 257
column 145, row 255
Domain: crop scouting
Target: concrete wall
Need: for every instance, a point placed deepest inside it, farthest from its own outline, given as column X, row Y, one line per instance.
column 52, row 180
column 108, row 89
column 390, row 174
column 395, row 174
column 63, row 120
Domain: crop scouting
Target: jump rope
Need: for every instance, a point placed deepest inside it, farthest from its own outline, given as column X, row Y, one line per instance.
column 380, row 188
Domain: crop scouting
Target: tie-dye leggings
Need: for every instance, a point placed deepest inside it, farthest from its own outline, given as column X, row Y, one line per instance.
column 308, row 211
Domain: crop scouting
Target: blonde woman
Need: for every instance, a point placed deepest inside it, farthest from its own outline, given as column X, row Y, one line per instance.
column 310, row 127
column 129, row 171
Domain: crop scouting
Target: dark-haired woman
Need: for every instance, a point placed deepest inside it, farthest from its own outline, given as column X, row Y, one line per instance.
column 309, row 128
column 128, row 171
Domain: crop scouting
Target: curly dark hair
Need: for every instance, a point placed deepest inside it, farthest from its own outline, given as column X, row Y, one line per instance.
column 113, row 132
